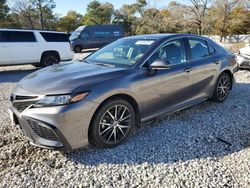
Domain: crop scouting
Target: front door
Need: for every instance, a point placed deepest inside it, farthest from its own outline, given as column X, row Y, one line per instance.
column 166, row 89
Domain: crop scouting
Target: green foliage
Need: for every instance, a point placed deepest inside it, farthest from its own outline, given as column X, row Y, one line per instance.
column 223, row 17
column 98, row 13
column 69, row 22
column 150, row 22
column 4, row 9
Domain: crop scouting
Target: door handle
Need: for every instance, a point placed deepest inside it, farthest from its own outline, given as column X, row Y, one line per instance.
column 188, row 70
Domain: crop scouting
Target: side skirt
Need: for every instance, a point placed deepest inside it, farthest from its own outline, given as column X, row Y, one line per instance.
column 175, row 108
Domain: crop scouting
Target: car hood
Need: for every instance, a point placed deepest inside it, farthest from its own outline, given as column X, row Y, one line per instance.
column 64, row 78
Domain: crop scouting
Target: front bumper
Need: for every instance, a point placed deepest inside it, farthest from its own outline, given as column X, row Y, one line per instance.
column 59, row 127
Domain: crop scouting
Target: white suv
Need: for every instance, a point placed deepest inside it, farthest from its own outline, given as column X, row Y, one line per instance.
column 37, row 47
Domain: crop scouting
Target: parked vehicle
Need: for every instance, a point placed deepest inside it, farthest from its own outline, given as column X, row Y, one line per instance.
column 37, row 47
column 131, row 80
column 95, row 36
column 243, row 58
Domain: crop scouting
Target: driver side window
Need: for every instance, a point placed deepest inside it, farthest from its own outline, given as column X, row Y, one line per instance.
column 172, row 52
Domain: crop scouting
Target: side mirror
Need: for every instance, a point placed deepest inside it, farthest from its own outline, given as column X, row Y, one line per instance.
column 159, row 64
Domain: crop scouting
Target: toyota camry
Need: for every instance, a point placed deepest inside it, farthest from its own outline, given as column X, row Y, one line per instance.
column 100, row 99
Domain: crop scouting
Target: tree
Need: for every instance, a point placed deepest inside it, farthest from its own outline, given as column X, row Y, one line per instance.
column 130, row 12
column 223, row 9
column 26, row 12
column 178, row 19
column 69, row 22
column 43, row 8
column 150, row 22
column 98, row 13
column 4, row 9
column 199, row 9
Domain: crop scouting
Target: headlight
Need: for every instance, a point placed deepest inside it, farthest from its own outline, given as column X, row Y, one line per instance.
column 60, row 100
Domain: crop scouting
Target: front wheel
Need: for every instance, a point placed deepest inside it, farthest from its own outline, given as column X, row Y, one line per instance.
column 78, row 49
column 223, row 87
column 112, row 124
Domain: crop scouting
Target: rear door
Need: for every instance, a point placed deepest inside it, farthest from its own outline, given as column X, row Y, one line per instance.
column 24, row 47
column 204, row 66
column 5, row 50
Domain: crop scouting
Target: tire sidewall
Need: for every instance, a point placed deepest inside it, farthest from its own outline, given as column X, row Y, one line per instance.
column 215, row 95
column 94, row 127
column 44, row 62
column 78, row 49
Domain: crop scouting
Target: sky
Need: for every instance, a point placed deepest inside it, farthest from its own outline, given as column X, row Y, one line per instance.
column 63, row 6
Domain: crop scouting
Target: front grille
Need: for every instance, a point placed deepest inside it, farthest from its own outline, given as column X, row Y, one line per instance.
column 42, row 131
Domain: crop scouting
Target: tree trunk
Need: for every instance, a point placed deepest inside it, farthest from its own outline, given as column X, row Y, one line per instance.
column 41, row 13
column 222, row 30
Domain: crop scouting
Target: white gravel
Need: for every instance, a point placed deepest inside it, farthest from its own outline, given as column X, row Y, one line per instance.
column 203, row 146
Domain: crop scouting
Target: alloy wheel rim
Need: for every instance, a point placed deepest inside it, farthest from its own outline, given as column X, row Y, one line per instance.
column 223, row 88
column 51, row 60
column 115, row 124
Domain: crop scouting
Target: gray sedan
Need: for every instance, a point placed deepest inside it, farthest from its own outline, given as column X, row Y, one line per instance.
column 132, row 80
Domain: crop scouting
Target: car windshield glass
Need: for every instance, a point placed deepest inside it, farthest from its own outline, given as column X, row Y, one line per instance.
column 122, row 52
column 75, row 35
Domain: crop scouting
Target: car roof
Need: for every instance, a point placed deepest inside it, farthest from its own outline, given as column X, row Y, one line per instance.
column 39, row 30
column 163, row 36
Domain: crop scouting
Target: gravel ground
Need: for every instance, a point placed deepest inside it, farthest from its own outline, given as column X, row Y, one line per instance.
column 203, row 146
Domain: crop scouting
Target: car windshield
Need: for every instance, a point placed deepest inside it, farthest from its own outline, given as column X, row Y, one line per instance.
column 75, row 34
column 122, row 52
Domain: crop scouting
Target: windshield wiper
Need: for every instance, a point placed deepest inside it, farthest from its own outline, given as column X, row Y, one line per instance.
column 86, row 61
column 105, row 64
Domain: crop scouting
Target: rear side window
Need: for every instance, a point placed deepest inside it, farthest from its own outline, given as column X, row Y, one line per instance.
column 3, row 36
column 211, row 49
column 54, row 37
column 199, row 48
column 21, row 36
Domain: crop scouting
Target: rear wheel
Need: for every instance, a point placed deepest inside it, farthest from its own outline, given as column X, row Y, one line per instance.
column 78, row 49
column 222, row 88
column 49, row 59
column 112, row 123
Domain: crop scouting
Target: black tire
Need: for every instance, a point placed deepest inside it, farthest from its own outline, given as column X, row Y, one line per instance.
column 222, row 88
column 49, row 59
column 105, row 131
column 78, row 49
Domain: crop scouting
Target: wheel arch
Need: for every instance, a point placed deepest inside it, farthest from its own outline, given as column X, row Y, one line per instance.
column 227, row 71
column 123, row 96
column 48, row 52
